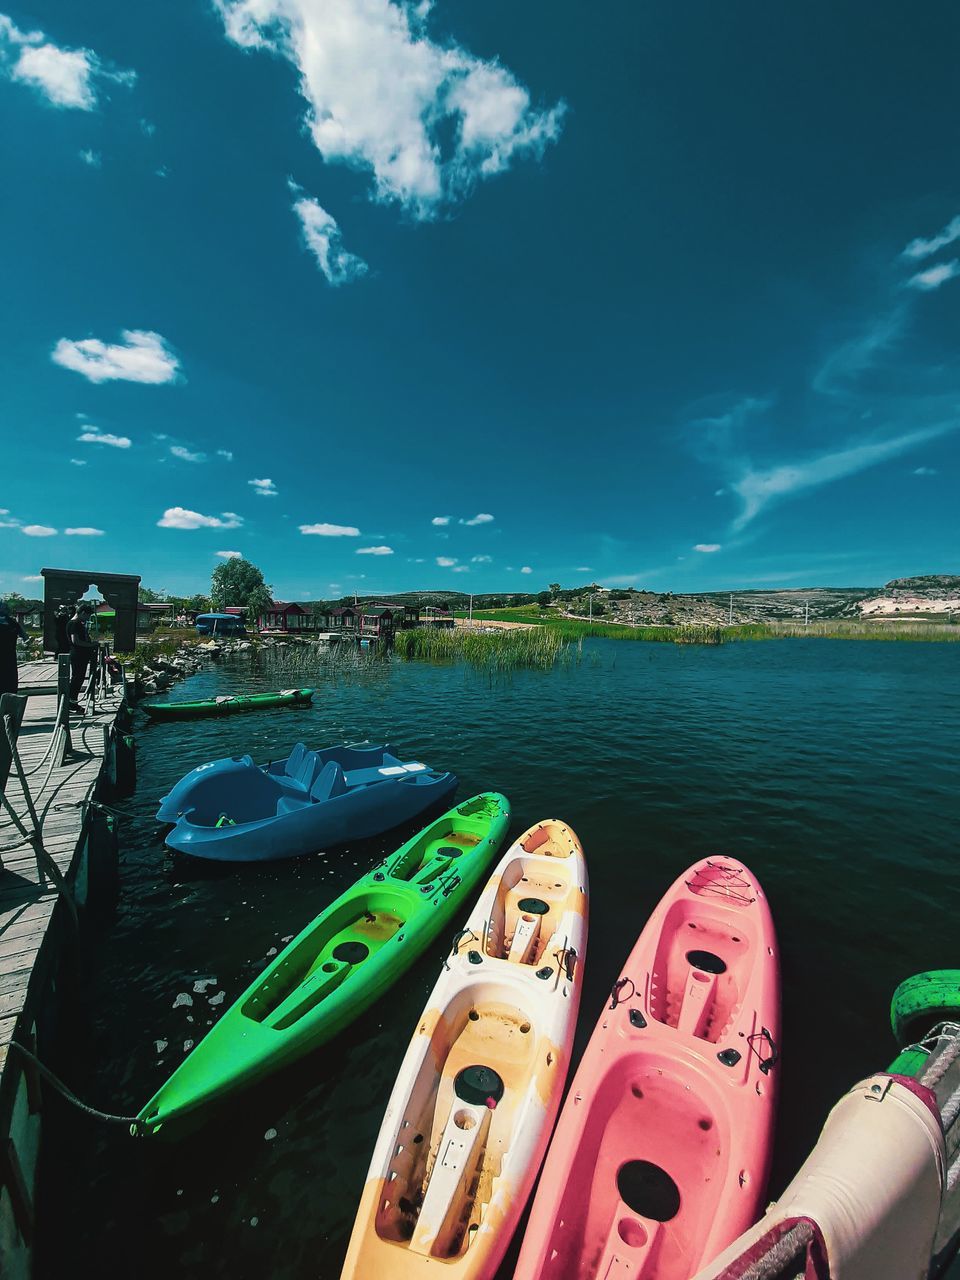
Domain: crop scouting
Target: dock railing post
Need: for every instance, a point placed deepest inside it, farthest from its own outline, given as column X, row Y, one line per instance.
column 63, row 702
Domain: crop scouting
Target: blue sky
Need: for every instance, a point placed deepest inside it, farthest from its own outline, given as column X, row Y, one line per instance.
column 481, row 295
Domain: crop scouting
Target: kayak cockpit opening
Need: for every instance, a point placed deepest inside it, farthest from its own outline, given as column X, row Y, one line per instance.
column 458, row 1124
column 530, row 904
column 701, row 970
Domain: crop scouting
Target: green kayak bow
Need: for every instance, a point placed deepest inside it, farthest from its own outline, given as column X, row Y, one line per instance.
column 227, row 705
column 348, row 957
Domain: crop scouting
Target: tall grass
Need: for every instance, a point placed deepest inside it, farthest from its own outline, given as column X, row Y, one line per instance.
column 496, row 650
column 710, row 633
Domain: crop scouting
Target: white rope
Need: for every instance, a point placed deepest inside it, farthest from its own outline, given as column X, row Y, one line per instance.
column 941, row 1064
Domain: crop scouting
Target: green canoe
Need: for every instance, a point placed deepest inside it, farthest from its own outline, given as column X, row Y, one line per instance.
column 225, row 706
column 351, row 954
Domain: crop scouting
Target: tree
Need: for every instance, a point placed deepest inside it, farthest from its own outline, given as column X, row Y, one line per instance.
column 146, row 596
column 240, row 583
column 545, row 597
column 554, row 588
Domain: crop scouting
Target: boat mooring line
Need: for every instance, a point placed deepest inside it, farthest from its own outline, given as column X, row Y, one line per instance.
column 132, row 1122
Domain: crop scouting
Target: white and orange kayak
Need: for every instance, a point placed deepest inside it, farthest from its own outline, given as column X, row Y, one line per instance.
column 662, row 1151
column 478, row 1091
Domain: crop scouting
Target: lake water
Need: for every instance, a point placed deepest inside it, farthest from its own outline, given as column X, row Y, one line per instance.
column 829, row 767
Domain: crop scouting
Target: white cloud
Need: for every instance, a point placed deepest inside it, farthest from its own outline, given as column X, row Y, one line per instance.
column 333, row 586
column 758, row 488
column 65, row 77
column 583, row 568
column 103, row 437
column 230, row 555
column 481, row 559
column 331, row 530
column 84, row 532
column 426, row 120
column 143, row 356
column 925, row 471
column 483, row 518
column 445, row 562
column 226, row 454
column 32, row 577
column 440, row 520
column 921, row 248
column 9, row 524
column 321, row 235
column 38, row 531
column 461, row 568
column 526, row 569
column 185, row 455
column 707, row 547
column 934, row 277
column 181, row 518
column 264, row 488
column 78, row 462
column 374, row 551
column 93, row 158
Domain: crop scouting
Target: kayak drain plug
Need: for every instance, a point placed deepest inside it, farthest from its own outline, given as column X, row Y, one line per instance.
column 478, row 1085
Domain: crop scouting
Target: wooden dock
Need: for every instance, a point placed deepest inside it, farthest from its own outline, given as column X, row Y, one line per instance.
column 38, row 918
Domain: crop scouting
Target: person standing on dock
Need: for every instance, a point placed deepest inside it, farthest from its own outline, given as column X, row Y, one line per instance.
column 61, row 622
column 10, row 632
column 82, row 651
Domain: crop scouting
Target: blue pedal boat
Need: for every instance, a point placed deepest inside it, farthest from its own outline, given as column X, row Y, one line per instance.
column 234, row 810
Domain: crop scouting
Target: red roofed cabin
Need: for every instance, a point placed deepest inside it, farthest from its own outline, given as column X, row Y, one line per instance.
column 286, row 618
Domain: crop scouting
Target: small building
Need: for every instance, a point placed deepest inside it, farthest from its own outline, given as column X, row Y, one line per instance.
column 404, row 615
column 376, row 623
column 430, row 616
column 286, row 617
column 149, row 616
column 343, row 618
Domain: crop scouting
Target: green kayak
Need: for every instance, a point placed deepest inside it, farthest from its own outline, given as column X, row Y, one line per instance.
column 350, row 955
column 918, row 1003
column 225, row 706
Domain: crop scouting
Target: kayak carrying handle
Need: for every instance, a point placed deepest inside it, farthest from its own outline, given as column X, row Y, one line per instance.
column 457, row 939
column 618, row 986
column 569, row 961
column 774, row 1057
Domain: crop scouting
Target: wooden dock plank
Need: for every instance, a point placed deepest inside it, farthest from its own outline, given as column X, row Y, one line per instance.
column 60, row 794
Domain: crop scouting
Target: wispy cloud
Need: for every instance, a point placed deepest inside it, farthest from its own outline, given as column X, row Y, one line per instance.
column 708, row 547
column 102, row 437
column 934, row 277
column 92, row 158
column 924, row 471
column 526, row 569
column 481, row 559
column 583, row 568
column 446, row 562
column 32, row 577
column 264, row 488
column 230, row 555
column 440, row 520
column 461, row 568
column 142, row 356
column 84, row 531
column 483, row 518
column 427, row 120
column 322, row 237
column 38, row 530
column 226, row 454
column 921, row 248
column 330, row 530
column 184, row 454
column 78, row 462
column 64, row 77
column 374, row 551
column 849, row 361
column 181, row 518
column 757, row 488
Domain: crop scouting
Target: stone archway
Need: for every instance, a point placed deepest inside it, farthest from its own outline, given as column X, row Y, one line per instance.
column 66, row 586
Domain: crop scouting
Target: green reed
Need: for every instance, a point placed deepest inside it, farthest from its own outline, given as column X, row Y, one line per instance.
column 500, row 650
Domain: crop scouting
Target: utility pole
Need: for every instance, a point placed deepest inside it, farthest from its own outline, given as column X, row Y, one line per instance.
column 806, row 613
column 591, row 606
column 730, row 619
column 471, row 607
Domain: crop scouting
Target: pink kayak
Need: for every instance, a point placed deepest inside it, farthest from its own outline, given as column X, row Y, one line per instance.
column 662, row 1152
